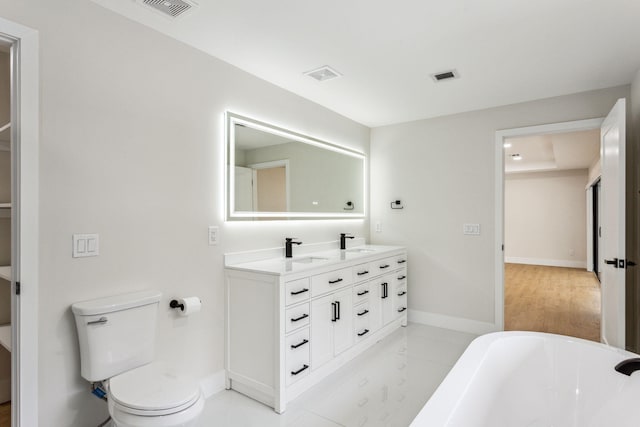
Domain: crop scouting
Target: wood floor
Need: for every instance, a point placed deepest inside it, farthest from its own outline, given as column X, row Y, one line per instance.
column 552, row 299
column 5, row 414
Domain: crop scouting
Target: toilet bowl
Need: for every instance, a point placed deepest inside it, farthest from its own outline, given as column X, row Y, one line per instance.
column 153, row 395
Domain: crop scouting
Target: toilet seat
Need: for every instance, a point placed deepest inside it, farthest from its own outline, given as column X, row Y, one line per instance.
column 153, row 390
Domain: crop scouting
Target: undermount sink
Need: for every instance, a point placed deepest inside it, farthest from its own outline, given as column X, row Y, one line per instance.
column 309, row 259
column 361, row 250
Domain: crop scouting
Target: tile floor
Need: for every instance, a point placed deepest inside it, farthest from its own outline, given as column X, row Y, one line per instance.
column 385, row 386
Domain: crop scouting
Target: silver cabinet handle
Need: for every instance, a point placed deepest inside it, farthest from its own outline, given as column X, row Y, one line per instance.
column 100, row 321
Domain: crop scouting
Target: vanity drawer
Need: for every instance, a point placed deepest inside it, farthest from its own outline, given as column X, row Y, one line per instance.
column 401, row 279
column 361, row 293
column 297, row 356
column 327, row 282
column 383, row 266
column 297, row 317
column 361, row 272
column 400, row 306
column 297, row 291
column 362, row 324
column 401, row 260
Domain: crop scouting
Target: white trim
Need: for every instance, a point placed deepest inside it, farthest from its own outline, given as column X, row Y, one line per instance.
column 570, row 263
column 213, row 383
column 25, row 134
column 589, row 196
column 574, row 126
column 454, row 323
column 269, row 165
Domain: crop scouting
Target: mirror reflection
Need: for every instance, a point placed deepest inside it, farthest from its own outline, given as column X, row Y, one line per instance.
column 278, row 174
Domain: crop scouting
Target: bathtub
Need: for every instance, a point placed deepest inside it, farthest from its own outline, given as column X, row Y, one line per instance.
column 518, row 379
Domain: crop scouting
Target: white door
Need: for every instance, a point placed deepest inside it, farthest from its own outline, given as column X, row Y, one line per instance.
column 613, row 226
column 323, row 313
column 343, row 326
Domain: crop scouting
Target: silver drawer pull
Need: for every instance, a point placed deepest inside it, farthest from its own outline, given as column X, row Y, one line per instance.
column 100, row 321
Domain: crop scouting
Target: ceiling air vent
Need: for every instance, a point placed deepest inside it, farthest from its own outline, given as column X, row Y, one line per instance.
column 323, row 73
column 172, row 8
column 445, row 75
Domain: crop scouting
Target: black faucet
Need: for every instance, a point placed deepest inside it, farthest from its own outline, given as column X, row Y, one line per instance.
column 343, row 240
column 288, row 253
column 628, row 366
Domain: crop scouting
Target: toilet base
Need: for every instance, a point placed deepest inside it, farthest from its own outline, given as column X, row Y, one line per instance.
column 185, row 418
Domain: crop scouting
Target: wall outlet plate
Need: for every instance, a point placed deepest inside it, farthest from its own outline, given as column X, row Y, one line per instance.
column 213, row 235
column 471, row 229
column 85, row 245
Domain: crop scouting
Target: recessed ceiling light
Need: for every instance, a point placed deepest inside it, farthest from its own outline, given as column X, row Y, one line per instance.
column 323, row 73
column 516, row 157
column 507, row 145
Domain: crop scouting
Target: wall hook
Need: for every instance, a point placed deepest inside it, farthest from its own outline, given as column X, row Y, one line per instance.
column 397, row 204
column 349, row 206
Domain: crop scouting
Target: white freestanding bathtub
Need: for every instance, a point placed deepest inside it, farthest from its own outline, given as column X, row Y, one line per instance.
column 518, row 379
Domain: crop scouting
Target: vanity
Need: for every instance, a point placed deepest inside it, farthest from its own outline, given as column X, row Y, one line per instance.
column 290, row 322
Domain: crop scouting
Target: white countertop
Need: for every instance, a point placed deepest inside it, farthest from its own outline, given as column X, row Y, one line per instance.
column 284, row 266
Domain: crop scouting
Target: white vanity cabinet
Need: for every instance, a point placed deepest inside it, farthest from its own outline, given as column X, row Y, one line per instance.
column 290, row 323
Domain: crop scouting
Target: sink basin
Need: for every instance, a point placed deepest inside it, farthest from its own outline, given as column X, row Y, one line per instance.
column 309, row 259
column 361, row 250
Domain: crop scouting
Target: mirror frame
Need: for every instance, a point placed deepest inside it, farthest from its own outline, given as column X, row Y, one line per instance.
column 231, row 119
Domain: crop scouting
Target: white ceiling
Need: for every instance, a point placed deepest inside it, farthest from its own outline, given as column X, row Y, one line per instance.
column 560, row 151
column 506, row 51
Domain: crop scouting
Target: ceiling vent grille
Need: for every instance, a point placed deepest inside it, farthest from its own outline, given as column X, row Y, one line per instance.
column 172, row 8
column 323, row 73
column 445, row 75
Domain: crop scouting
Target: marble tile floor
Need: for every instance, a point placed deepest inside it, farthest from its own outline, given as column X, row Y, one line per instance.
column 384, row 387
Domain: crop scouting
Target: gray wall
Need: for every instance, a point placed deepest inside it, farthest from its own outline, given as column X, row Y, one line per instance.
column 132, row 148
column 444, row 171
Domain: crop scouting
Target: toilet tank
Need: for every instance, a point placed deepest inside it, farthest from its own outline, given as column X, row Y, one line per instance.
column 116, row 333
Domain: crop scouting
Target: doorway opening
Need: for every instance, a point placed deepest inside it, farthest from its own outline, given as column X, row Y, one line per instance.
column 541, row 227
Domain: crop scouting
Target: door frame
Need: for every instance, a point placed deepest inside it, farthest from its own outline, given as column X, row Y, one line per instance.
column 25, row 88
column 500, row 136
column 268, row 165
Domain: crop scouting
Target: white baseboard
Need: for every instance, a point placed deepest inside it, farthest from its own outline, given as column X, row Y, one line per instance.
column 547, row 262
column 450, row 322
column 212, row 384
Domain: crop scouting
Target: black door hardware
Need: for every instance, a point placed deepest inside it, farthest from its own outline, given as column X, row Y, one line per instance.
column 334, row 313
column 366, row 331
column 332, row 282
column 402, row 261
column 382, row 267
column 338, row 310
column 402, row 293
column 362, row 313
column 362, row 273
column 301, row 291
column 613, row 262
column 401, row 309
column 362, row 293
column 385, row 290
column 402, row 277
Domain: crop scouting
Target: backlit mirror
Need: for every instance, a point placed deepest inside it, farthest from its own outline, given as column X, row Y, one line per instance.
column 273, row 173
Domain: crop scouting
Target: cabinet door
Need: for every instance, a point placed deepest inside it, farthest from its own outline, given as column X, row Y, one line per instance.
column 343, row 326
column 375, row 304
column 386, row 289
column 322, row 315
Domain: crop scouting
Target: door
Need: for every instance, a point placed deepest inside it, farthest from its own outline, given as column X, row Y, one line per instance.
column 612, row 222
column 243, row 187
column 322, row 315
column 343, row 326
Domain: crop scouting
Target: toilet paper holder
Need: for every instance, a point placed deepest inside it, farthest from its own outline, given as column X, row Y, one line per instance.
column 175, row 304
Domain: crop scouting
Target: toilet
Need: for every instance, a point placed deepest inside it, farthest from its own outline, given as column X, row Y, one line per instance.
column 117, row 340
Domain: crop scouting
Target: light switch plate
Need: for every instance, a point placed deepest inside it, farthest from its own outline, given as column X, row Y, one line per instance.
column 85, row 245
column 471, row 229
column 213, row 235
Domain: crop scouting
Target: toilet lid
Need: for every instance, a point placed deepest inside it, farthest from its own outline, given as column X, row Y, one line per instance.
column 153, row 388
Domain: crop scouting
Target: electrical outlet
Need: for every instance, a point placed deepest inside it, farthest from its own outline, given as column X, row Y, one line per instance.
column 213, row 235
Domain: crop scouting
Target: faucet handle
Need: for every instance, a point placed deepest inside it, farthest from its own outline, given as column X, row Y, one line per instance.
column 292, row 240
